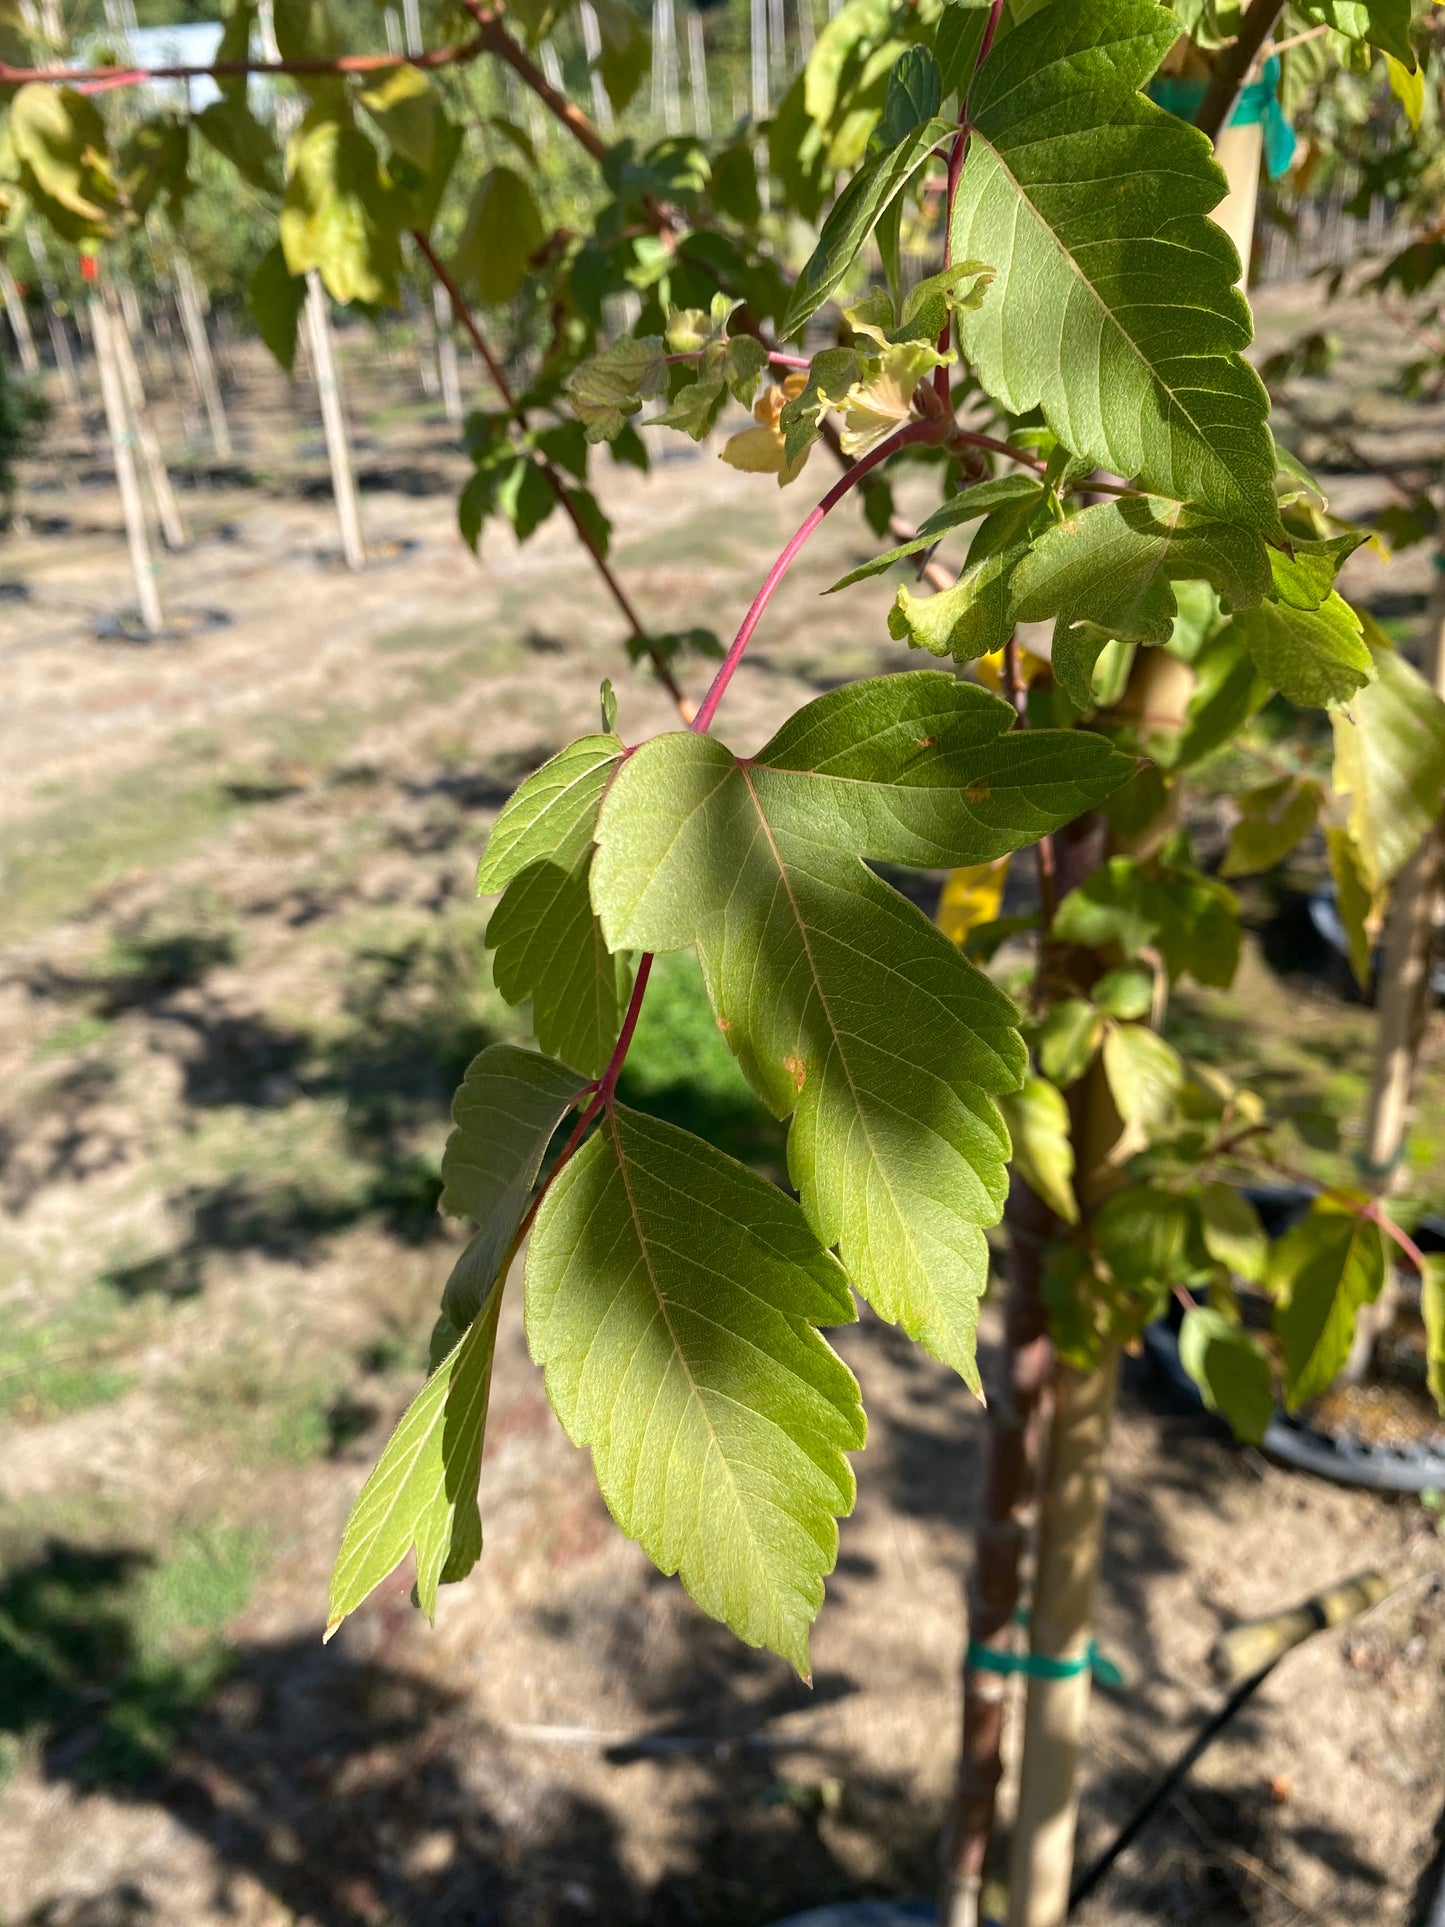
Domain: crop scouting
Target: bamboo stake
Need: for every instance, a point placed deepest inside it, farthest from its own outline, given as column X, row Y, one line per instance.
column 1071, row 1522
column 328, row 388
column 122, row 447
column 59, row 339
column 193, row 325
column 173, row 528
column 19, row 321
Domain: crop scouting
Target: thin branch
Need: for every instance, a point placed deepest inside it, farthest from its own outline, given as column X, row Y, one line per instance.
column 1297, row 39
column 496, row 40
column 1231, row 69
column 904, row 437
column 636, row 627
column 102, row 79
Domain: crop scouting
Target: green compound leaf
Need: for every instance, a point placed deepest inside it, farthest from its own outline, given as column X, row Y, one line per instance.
column 1323, row 1269
column 1068, row 1038
column 1233, row 1234
column 549, row 947
column 503, row 231
column 1144, row 1073
column 852, row 217
column 551, row 816
column 1272, row 820
column 1356, row 898
column 1390, row 762
column 1230, row 1370
column 424, row 1489
column 276, row 297
column 1114, row 306
column 1315, row 657
column 548, row 943
column 339, row 216
column 1107, row 573
column 1038, row 1122
column 1383, row 23
column 967, row 506
column 1432, row 1305
column 59, row 139
column 503, row 1116
column 847, row 1008
column 1193, row 919
column 673, row 1300
column 615, row 383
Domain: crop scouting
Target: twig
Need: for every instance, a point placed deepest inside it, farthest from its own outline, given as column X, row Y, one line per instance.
column 462, row 310
column 1232, row 67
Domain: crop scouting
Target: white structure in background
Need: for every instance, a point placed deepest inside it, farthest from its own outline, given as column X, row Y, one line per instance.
column 697, row 75
column 805, row 30
column 777, row 37
column 759, row 27
column 592, row 42
column 665, row 104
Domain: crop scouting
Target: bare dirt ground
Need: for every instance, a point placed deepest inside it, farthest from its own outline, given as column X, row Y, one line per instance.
column 242, row 971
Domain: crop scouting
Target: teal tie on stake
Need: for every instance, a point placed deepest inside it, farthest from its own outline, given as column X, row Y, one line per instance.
column 1259, row 102
column 988, row 1659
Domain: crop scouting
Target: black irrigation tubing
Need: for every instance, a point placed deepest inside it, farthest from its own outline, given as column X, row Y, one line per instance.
column 1089, row 1879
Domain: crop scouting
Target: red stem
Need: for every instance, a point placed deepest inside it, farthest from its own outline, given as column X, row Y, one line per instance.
column 966, row 438
column 468, row 320
column 995, row 13
column 901, row 438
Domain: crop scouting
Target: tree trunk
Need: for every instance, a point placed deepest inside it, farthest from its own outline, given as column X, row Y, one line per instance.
column 122, row 447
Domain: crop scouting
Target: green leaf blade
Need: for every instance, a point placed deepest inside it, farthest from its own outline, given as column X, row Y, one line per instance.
column 549, row 947
column 424, row 1489
column 1323, row 1268
column 550, row 817
column 1232, row 1373
column 673, row 1301
column 848, row 1010
column 1114, row 306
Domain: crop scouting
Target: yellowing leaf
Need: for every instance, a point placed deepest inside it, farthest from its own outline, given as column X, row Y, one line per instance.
column 972, row 896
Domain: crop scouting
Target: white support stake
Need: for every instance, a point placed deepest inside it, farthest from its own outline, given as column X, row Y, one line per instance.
column 697, row 75
column 142, row 564
column 59, row 339
column 447, row 355
column 592, row 42
column 758, row 23
column 173, row 528
column 328, row 388
column 19, row 321
column 193, row 321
